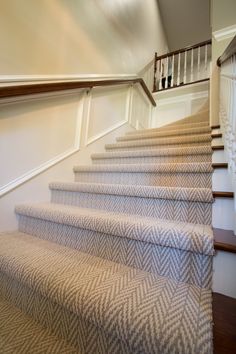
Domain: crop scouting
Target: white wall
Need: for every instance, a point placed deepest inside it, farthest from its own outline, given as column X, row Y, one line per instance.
column 73, row 37
column 177, row 103
column 223, row 22
column 43, row 138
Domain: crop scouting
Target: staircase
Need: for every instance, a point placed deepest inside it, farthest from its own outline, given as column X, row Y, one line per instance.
column 120, row 261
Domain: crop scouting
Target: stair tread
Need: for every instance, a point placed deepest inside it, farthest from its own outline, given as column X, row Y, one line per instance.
column 187, row 121
column 197, row 167
column 196, row 150
column 224, row 240
column 223, row 194
column 187, row 236
column 162, row 141
column 136, row 306
column 216, row 135
column 20, row 334
column 170, row 128
column 173, row 193
column 166, row 133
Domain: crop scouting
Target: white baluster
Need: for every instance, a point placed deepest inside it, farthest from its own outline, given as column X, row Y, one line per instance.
column 198, row 62
column 172, row 71
column 185, row 67
column 167, row 67
column 160, row 72
column 192, row 65
column 178, row 76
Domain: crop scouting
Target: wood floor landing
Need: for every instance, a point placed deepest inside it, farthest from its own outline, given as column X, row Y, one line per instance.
column 224, row 330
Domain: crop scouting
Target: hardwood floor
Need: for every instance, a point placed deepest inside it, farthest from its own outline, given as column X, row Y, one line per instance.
column 224, row 330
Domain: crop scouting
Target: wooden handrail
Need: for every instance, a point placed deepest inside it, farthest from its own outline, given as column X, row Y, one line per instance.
column 32, row 89
column 201, row 44
column 229, row 51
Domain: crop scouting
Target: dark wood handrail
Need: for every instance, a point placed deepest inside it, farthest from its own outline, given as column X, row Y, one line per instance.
column 32, row 89
column 229, row 51
column 201, row 44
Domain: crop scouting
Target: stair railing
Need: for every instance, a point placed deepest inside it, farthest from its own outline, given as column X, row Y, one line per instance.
column 17, row 90
column 227, row 105
column 182, row 67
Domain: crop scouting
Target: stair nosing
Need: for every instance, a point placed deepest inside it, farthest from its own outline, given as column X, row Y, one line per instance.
column 145, row 229
column 150, row 142
column 200, row 167
column 167, row 133
column 136, row 191
column 176, row 151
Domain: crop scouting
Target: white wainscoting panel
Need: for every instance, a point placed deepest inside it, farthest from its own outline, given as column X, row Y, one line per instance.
column 36, row 135
column 178, row 103
column 141, row 109
column 107, row 110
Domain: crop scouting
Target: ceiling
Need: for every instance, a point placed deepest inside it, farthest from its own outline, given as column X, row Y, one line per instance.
column 186, row 22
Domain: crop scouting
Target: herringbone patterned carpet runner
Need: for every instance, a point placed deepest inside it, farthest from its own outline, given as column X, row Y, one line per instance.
column 120, row 261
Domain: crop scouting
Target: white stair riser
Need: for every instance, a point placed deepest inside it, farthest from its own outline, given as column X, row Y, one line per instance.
column 224, row 265
column 221, row 180
column 218, row 156
column 216, row 131
column 217, row 141
column 223, row 213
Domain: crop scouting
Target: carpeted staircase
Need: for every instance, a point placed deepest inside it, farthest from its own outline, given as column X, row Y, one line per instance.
column 120, row 261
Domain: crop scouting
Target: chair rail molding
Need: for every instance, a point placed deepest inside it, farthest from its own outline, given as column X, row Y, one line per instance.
column 225, row 33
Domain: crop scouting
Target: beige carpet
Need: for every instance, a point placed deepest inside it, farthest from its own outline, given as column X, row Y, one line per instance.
column 120, row 261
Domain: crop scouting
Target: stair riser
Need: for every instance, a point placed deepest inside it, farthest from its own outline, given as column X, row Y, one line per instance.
column 191, row 180
column 221, row 180
column 149, row 145
column 223, row 216
column 154, row 159
column 167, row 133
column 177, row 264
column 170, row 127
column 218, row 156
column 186, row 211
column 65, row 324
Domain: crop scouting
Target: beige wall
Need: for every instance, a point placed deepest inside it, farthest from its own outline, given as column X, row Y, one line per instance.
column 223, row 14
column 78, row 36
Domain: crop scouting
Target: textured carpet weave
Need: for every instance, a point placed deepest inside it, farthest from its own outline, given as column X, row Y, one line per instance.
column 124, row 301
column 20, row 335
column 120, row 261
